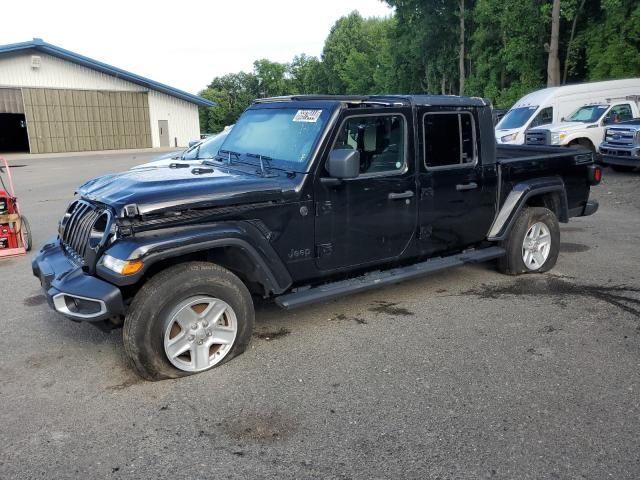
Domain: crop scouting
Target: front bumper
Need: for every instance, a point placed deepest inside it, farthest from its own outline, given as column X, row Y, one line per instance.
column 70, row 291
column 620, row 156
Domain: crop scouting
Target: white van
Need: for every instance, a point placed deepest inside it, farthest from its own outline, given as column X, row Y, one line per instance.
column 551, row 105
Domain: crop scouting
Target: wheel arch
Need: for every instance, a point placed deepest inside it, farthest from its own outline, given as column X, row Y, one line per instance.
column 546, row 192
column 237, row 246
column 585, row 142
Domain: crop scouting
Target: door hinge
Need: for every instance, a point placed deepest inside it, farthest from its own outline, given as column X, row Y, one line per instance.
column 324, row 250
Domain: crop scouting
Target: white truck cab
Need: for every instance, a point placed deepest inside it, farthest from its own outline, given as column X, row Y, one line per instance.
column 586, row 125
column 551, row 105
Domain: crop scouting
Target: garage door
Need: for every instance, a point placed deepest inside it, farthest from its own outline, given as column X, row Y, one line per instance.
column 83, row 120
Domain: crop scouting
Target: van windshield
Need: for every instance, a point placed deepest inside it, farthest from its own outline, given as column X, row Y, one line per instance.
column 588, row 113
column 516, row 117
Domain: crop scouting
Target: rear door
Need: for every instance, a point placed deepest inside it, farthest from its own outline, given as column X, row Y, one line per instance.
column 457, row 194
column 371, row 218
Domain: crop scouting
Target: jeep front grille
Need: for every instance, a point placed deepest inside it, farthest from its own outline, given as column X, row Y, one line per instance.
column 76, row 228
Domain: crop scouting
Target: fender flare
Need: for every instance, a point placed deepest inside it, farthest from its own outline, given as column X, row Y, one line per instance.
column 163, row 244
column 517, row 199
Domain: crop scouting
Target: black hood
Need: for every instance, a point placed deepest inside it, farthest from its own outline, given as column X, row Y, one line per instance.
column 155, row 190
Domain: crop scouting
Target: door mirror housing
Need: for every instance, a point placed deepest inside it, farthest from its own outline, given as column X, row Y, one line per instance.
column 344, row 163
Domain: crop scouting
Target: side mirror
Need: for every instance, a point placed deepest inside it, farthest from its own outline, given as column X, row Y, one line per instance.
column 562, row 119
column 344, row 163
column 193, row 142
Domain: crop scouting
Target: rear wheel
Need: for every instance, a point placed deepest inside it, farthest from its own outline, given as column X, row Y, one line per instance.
column 188, row 319
column 533, row 243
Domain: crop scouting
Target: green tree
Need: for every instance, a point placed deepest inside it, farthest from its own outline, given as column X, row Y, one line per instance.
column 307, row 75
column 613, row 41
column 271, row 78
column 508, row 58
column 233, row 93
column 354, row 53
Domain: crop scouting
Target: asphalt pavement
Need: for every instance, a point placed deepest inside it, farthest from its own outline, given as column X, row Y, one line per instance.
column 467, row 374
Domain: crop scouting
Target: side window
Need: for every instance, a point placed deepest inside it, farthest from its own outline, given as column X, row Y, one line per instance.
column 380, row 139
column 620, row 113
column 449, row 139
column 544, row 117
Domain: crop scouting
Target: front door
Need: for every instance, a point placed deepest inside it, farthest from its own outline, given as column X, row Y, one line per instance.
column 163, row 130
column 372, row 218
column 457, row 191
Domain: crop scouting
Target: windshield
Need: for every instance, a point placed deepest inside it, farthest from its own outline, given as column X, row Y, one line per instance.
column 588, row 113
column 208, row 148
column 516, row 117
column 286, row 136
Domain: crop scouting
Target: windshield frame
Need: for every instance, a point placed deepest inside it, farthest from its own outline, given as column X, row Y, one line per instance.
column 331, row 108
column 534, row 109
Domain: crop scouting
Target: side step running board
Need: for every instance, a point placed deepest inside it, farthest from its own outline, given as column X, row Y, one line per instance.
column 377, row 279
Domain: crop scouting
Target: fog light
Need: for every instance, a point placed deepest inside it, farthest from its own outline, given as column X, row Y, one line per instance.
column 123, row 267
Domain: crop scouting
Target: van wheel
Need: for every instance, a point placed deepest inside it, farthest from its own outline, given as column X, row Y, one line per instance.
column 187, row 319
column 533, row 243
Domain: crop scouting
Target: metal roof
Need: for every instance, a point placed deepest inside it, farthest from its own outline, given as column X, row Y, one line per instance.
column 40, row 45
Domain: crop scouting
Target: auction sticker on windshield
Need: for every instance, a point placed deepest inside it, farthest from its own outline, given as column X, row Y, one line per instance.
column 309, row 116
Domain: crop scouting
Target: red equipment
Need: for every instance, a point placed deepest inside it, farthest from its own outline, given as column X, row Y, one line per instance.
column 15, row 233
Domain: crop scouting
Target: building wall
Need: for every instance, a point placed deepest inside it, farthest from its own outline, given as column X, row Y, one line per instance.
column 54, row 73
column 15, row 70
column 184, row 122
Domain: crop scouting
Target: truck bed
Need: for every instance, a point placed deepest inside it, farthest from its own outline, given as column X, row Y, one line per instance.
column 511, row 153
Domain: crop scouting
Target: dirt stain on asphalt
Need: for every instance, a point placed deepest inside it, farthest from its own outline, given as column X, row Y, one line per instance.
column 390, row 309
column 129, row 382
column 258, row 428
column 272, row 335
column 34, row 300
column 624, row 297
column 43, row 359
column 573, row 248
column 343, row 317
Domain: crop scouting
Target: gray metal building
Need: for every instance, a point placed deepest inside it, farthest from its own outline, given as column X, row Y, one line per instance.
column 54, row 100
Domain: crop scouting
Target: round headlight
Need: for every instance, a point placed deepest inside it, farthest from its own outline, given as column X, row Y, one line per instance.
column 100, row 230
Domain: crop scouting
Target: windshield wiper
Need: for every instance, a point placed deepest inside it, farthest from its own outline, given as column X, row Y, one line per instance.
column 229, row 153
column 263, row 159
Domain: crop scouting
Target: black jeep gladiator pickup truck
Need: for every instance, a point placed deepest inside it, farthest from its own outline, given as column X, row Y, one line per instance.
column 308, row 199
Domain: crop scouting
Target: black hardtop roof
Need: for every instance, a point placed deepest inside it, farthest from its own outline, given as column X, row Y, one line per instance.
column 386, row 100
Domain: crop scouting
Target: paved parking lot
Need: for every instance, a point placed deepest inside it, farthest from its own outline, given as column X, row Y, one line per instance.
column 465, row 374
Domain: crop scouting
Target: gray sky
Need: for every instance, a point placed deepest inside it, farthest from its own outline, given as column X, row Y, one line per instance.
column 183, row 44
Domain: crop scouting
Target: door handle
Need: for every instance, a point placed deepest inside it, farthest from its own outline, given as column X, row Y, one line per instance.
column 466, row 186
column 398, row 196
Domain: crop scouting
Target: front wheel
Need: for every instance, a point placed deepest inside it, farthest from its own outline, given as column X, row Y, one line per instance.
column 187, row 319
column 533, row 243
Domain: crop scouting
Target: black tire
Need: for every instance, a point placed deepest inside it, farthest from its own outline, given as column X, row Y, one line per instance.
column 623, row 168
column 143, row 331
column 26, row 231
column 512, row 263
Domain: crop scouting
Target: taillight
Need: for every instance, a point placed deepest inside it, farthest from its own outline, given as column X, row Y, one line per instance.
column 595, row 174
